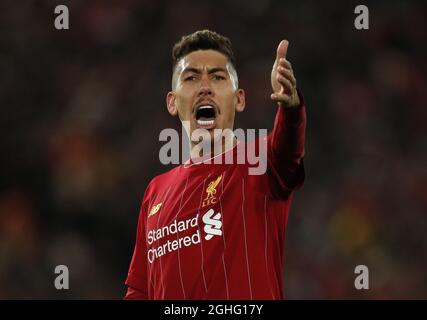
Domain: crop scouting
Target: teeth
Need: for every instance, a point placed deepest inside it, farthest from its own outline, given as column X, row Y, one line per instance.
column 205, row 107
column 205, row 122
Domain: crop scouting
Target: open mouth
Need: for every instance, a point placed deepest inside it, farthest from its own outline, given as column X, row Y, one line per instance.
column 205, row 115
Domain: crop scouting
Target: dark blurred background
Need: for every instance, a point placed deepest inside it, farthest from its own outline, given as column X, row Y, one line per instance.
column 81, row 111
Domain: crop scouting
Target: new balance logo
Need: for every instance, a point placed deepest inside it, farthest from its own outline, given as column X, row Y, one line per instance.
column 212, row 223
column 154, row 209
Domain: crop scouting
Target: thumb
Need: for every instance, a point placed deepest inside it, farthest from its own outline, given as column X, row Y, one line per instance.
column 282, row 49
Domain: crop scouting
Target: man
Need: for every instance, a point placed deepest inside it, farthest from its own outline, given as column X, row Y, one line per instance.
column 214, row 231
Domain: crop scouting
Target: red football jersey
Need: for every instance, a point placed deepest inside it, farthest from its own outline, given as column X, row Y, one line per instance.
column 212, row 231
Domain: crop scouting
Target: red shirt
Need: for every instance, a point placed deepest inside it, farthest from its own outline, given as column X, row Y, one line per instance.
column 212, row 231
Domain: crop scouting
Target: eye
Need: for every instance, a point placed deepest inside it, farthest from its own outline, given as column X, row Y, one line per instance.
column 190, row 78
column 218, row 77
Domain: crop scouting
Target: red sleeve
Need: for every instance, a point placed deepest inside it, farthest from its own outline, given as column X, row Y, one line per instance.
column 135, row 294
column 285, row 149
column 137, row 275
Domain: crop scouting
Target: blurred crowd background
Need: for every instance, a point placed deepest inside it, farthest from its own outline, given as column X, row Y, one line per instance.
column 81, row 111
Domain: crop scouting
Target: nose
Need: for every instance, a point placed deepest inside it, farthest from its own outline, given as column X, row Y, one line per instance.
column 205, row 89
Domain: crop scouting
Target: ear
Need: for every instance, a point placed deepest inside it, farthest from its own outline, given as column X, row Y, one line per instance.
column 240, row 95
column 170, row 102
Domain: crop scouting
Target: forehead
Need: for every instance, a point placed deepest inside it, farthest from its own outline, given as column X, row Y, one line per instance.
column 203, row 59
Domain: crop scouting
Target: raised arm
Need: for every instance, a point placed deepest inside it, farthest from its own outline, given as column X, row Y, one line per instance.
column 286, row 141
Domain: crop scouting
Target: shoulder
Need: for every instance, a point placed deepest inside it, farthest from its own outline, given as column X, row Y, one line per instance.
column 162, row 181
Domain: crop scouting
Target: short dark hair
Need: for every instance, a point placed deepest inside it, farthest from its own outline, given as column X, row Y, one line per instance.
column 202, row 40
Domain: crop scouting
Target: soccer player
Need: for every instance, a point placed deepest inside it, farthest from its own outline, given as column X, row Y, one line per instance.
column 214, row 231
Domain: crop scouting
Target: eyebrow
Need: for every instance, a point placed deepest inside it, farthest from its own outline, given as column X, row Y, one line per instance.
column 199, row 71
